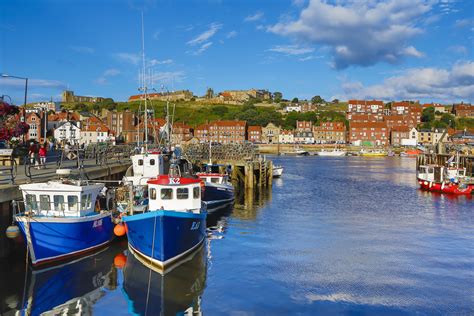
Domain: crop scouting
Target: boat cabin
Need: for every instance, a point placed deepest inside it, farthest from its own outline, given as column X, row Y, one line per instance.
column 217, row 178
column 60, row 198
column 174, row 194
column 147, row 165
column 437, row 173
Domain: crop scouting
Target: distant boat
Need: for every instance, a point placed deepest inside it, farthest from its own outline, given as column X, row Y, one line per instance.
column 63, row 219
column 277, row 171
column 333, row 153
column 296, row 152
column 410, row 153
column 373, row 153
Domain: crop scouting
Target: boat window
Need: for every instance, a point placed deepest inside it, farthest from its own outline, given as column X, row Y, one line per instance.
column 31, row 202
column 166, row 194
column 83, row 201
column 89, row 201
column 45, row 203
column 140, row 162
column 215, row 180
column 430, row 170
column 196, row 192
column 153, row 194
column 72, row 202
column 59, row 203
column 152, row 162
column 182, row 193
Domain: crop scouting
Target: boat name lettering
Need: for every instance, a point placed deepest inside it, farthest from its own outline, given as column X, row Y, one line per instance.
column 97, row 223
column 174, row 181
column 195, row 225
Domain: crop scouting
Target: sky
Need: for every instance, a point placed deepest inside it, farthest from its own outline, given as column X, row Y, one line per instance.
column 385, row 50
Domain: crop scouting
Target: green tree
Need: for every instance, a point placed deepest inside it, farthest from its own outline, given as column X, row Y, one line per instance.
column 428, row 115
column 219, row 110
column 295, row 100
column 277, row 96
column 448, row 119
column 317, row 99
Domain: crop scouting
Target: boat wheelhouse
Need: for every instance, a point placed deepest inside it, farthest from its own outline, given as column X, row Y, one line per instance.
column 174, row 224
column 218, row 191
column 277, row 171
column 62, row 218
column 144, row 167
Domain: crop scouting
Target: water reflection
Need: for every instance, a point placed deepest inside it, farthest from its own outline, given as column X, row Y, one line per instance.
column 71, row 288
column 176, row 292
column 248, row 201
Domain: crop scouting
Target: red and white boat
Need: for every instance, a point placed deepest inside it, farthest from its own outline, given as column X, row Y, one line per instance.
column 451, row 179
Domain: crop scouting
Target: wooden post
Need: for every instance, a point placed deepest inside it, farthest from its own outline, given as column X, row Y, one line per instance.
column 270, row 173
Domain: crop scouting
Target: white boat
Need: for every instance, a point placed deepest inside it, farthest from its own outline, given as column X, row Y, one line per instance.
column 277, row 171
column 333, row 153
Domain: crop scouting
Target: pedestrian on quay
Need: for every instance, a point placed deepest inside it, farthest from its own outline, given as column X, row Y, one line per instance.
column 42, row 155
column 33, row 154
column 51, row 146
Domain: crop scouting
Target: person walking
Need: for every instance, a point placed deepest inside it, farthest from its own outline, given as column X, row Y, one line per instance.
column 33, row 154
column 42, row 155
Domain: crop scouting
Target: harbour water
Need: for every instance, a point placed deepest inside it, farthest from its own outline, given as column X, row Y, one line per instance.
column 346, row 235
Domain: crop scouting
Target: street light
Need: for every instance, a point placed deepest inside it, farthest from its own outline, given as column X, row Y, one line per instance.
column 26, row 93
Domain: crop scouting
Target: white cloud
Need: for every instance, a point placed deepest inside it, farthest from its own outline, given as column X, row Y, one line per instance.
column 298, row 3
column 111, row 72
column 458, row 49
column 203, row 48
column 155, row 62
column 131, row 58
column 169, row 77
column 453, row 84
column 32, row 83
column 310, row 57
column 464, row 23
column 231, row 34
column 358, row 33
column 206, row 35
column 254, row 17
column 83, row 49
column 291, row 49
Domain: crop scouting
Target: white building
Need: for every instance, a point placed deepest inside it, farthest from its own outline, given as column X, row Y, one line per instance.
column 304, row 137
column 412, row 140
column 96, row 133
column 293, row 108
column 286, row 137
column 68, row 132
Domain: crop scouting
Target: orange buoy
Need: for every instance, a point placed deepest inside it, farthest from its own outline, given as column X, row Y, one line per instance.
column 120, row 260
column 119, row 230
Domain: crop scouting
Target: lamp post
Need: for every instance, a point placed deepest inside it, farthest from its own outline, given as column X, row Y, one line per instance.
column 26, row 93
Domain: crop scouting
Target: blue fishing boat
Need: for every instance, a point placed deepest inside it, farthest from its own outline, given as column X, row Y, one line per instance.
column 174, row 224
column 62, row 219
column 218, row 191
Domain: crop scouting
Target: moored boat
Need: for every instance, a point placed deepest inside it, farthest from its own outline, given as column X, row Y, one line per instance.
column 218, row 191
column 62, row 219
column 373, row 153
column 174, row 224
column 277, row 171
column 332, row 153
column 451, row 180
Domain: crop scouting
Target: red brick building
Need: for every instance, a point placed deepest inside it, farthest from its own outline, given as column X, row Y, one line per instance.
column 181, row 133
column 463, row 110
column 364, row 117
column 374, row 133
column 254, row 134
column 226, row 132
column 400, row 120
column 304, row 126
column 329, row 133
column 373, row 107
column 398, row 133
column 202, row 132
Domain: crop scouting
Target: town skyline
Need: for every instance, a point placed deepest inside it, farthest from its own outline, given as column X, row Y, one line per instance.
column 404, row 50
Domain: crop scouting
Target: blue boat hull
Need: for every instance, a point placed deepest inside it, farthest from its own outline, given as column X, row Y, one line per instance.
column 165, row 236
column 52, row 239
column 217, row 196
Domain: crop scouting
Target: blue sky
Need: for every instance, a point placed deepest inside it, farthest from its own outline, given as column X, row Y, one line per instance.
column 390, row 50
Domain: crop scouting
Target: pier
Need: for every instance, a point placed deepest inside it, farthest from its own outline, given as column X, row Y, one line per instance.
column 100, row 164
column 249, row 169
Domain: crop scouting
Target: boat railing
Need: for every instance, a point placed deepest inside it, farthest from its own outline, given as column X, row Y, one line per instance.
column 51, row 208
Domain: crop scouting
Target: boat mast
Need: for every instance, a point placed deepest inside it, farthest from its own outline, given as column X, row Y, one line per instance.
column 144, row 86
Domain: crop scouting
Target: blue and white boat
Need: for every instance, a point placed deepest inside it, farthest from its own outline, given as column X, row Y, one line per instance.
column 174, row 224
column 62, row 219
column 218, row 191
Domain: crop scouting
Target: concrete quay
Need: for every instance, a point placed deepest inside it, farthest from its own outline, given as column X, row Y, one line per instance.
column 112, row 170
